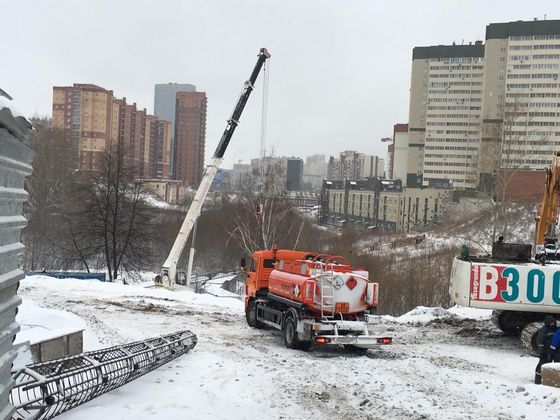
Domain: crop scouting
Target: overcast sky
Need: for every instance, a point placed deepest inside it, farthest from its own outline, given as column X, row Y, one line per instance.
column 339, row 72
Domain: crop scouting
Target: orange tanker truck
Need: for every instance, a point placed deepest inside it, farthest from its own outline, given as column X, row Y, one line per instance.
column 312, row 298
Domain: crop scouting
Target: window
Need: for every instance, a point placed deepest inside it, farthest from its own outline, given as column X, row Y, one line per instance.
column 547, row 47
column 269, row 263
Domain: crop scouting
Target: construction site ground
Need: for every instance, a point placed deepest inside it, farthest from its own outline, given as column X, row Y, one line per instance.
column 443, row 364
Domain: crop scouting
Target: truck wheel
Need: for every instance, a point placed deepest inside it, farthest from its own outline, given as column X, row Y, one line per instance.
column 251, row 315
column 291, row 339
column 290, row 333
column 529, row 337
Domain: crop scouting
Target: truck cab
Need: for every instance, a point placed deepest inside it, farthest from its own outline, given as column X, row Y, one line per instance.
column 259, row 266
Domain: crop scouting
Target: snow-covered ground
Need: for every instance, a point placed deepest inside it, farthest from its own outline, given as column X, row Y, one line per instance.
column 154, row 201
column 444, row 364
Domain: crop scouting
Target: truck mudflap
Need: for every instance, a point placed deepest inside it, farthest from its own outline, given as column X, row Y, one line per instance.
column 363, row 334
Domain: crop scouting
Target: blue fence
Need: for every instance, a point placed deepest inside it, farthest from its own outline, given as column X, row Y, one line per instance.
column 69, row 275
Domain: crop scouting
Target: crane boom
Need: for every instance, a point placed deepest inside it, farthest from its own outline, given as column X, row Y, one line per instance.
column 169, row 269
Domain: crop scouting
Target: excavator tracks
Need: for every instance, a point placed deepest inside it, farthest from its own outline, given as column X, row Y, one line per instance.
column 529, row 337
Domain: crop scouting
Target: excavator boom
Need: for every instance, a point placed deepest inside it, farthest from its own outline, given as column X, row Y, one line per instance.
column 548, row 210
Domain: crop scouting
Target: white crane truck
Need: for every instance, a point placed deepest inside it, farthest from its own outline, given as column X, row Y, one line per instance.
column 170, row 276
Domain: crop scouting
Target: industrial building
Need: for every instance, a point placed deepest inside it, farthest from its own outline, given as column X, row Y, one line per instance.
column 381, row 205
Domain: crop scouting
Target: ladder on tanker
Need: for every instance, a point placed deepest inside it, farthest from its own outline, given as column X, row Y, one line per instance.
column 327, row 302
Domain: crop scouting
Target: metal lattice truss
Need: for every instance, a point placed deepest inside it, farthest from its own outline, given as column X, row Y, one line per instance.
column 44, row 390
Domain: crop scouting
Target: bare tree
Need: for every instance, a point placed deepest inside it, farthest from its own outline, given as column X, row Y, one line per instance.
column 504, row 149
column 114, row 220
column 261, row 221
column 49, row 189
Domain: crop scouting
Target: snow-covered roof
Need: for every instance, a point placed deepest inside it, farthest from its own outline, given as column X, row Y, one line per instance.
column 42, row 324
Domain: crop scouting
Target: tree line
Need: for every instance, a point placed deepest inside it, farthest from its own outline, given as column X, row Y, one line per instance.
column 79, row 220
column 101, row 221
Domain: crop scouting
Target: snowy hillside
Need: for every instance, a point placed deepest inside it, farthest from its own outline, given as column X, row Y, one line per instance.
column 472, row 224
column 443, row 364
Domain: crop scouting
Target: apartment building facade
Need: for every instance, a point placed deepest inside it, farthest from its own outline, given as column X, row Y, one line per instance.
column 444, row 116
column 165, row 101
column 353, row 165
column 521, row 113
column 371, row 166
column 190, row 137
column 240, row 175
column 294, row 174
column 315, row 170
column 97, row 122
column 398, row 153
column 84, row 111
column 476, row 110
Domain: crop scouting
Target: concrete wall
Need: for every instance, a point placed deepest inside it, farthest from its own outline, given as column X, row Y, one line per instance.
column 56, row 348
column 15, row 165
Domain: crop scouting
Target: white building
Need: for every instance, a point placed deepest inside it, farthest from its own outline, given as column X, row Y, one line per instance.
column 521, row 91
column 444, row 116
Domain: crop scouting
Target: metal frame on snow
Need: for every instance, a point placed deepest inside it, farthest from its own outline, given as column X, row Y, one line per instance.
column 44, row 390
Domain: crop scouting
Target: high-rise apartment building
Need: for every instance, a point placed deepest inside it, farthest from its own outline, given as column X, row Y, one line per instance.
column 398, row 160
column 85, row 112
column 444, row 116
column 390, row 159
column 353, row 165
column 346, row 166
column 190, row 137
column 164, row 135
column 96, row 121
column 476, row 110
column 294, row 174
column 371, row 166
column 158, row 145
column 240, row 175
column 521, row 114
column 165, row 100
column 315, row 170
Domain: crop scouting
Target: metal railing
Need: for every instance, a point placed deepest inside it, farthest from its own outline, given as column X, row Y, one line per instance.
column 44, row 390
